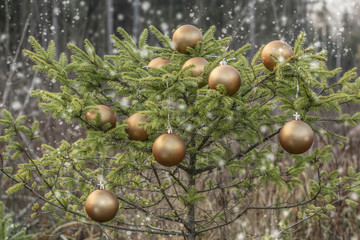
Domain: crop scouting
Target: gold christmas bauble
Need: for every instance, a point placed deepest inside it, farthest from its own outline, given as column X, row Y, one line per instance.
column 106, row 113
column 101, row 205
column 277, row 48
column 196, row 71
column 169, row 149
column 186, row 36
column 136, row 132
column 158, row 62
column 226, row 75
column 296, row 137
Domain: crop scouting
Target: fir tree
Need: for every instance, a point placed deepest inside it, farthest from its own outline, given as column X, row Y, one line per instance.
column 232, row 148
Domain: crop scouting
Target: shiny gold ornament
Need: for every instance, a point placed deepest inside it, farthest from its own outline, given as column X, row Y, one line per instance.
column 226, row 75
column 296, row 137
column 136, row 132
column 169, row 149
column 101, row 205
column 196, row 71
column 158, row 62
column 277, row 48
column 199, row 63
column 186, row 36
column 106, row 113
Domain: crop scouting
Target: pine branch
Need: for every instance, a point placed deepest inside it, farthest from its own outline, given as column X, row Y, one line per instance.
column 258, row 83
column 239, row 155
column 165, row 40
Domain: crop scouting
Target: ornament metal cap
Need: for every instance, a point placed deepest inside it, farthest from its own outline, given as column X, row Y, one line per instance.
column 101, row 186
column 297, row 116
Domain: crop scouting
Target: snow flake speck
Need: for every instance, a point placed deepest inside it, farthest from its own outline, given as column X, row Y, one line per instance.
column 120, row 17
column 145, row 6
column 164, row 26
column 3, row 37
column 240, row 236
column 179, row 16
column 16, row 105
column 354, row 197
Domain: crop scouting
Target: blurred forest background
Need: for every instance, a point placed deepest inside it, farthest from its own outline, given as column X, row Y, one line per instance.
column 332, row 25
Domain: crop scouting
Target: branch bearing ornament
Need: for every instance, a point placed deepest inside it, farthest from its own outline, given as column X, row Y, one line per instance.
column 107, row 115
column 226, row 75
column 169, row 149
column 281, row 50
column 296, row 137
column 186, row 36
column 158, row 62
column 101, row 205
column 198, row 69
column 136, row 132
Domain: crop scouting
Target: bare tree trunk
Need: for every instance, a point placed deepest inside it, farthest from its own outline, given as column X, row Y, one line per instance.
column 171, row 14
column 109, row 23
column 7, row 29
column 34, row 26
column 55, row 23
column 252, row 27
column 12, row 72
column 225, row 17
column 191, row 207
column 136, row 8
column 65, row 24
column 276, row 19
column 200, row 12
column 27, row 98
column 338, row 55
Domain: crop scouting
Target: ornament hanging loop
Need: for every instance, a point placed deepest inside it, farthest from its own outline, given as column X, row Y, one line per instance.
column 297, row 115
column 224, row 61
column 101, row 183
column 297, row 89
column 168, row 106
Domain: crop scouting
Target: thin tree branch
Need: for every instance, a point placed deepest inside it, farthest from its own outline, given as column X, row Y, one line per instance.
column 310, row 216
column 167, row 199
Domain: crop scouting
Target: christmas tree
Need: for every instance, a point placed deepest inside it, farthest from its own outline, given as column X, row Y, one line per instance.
column 182, row 138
